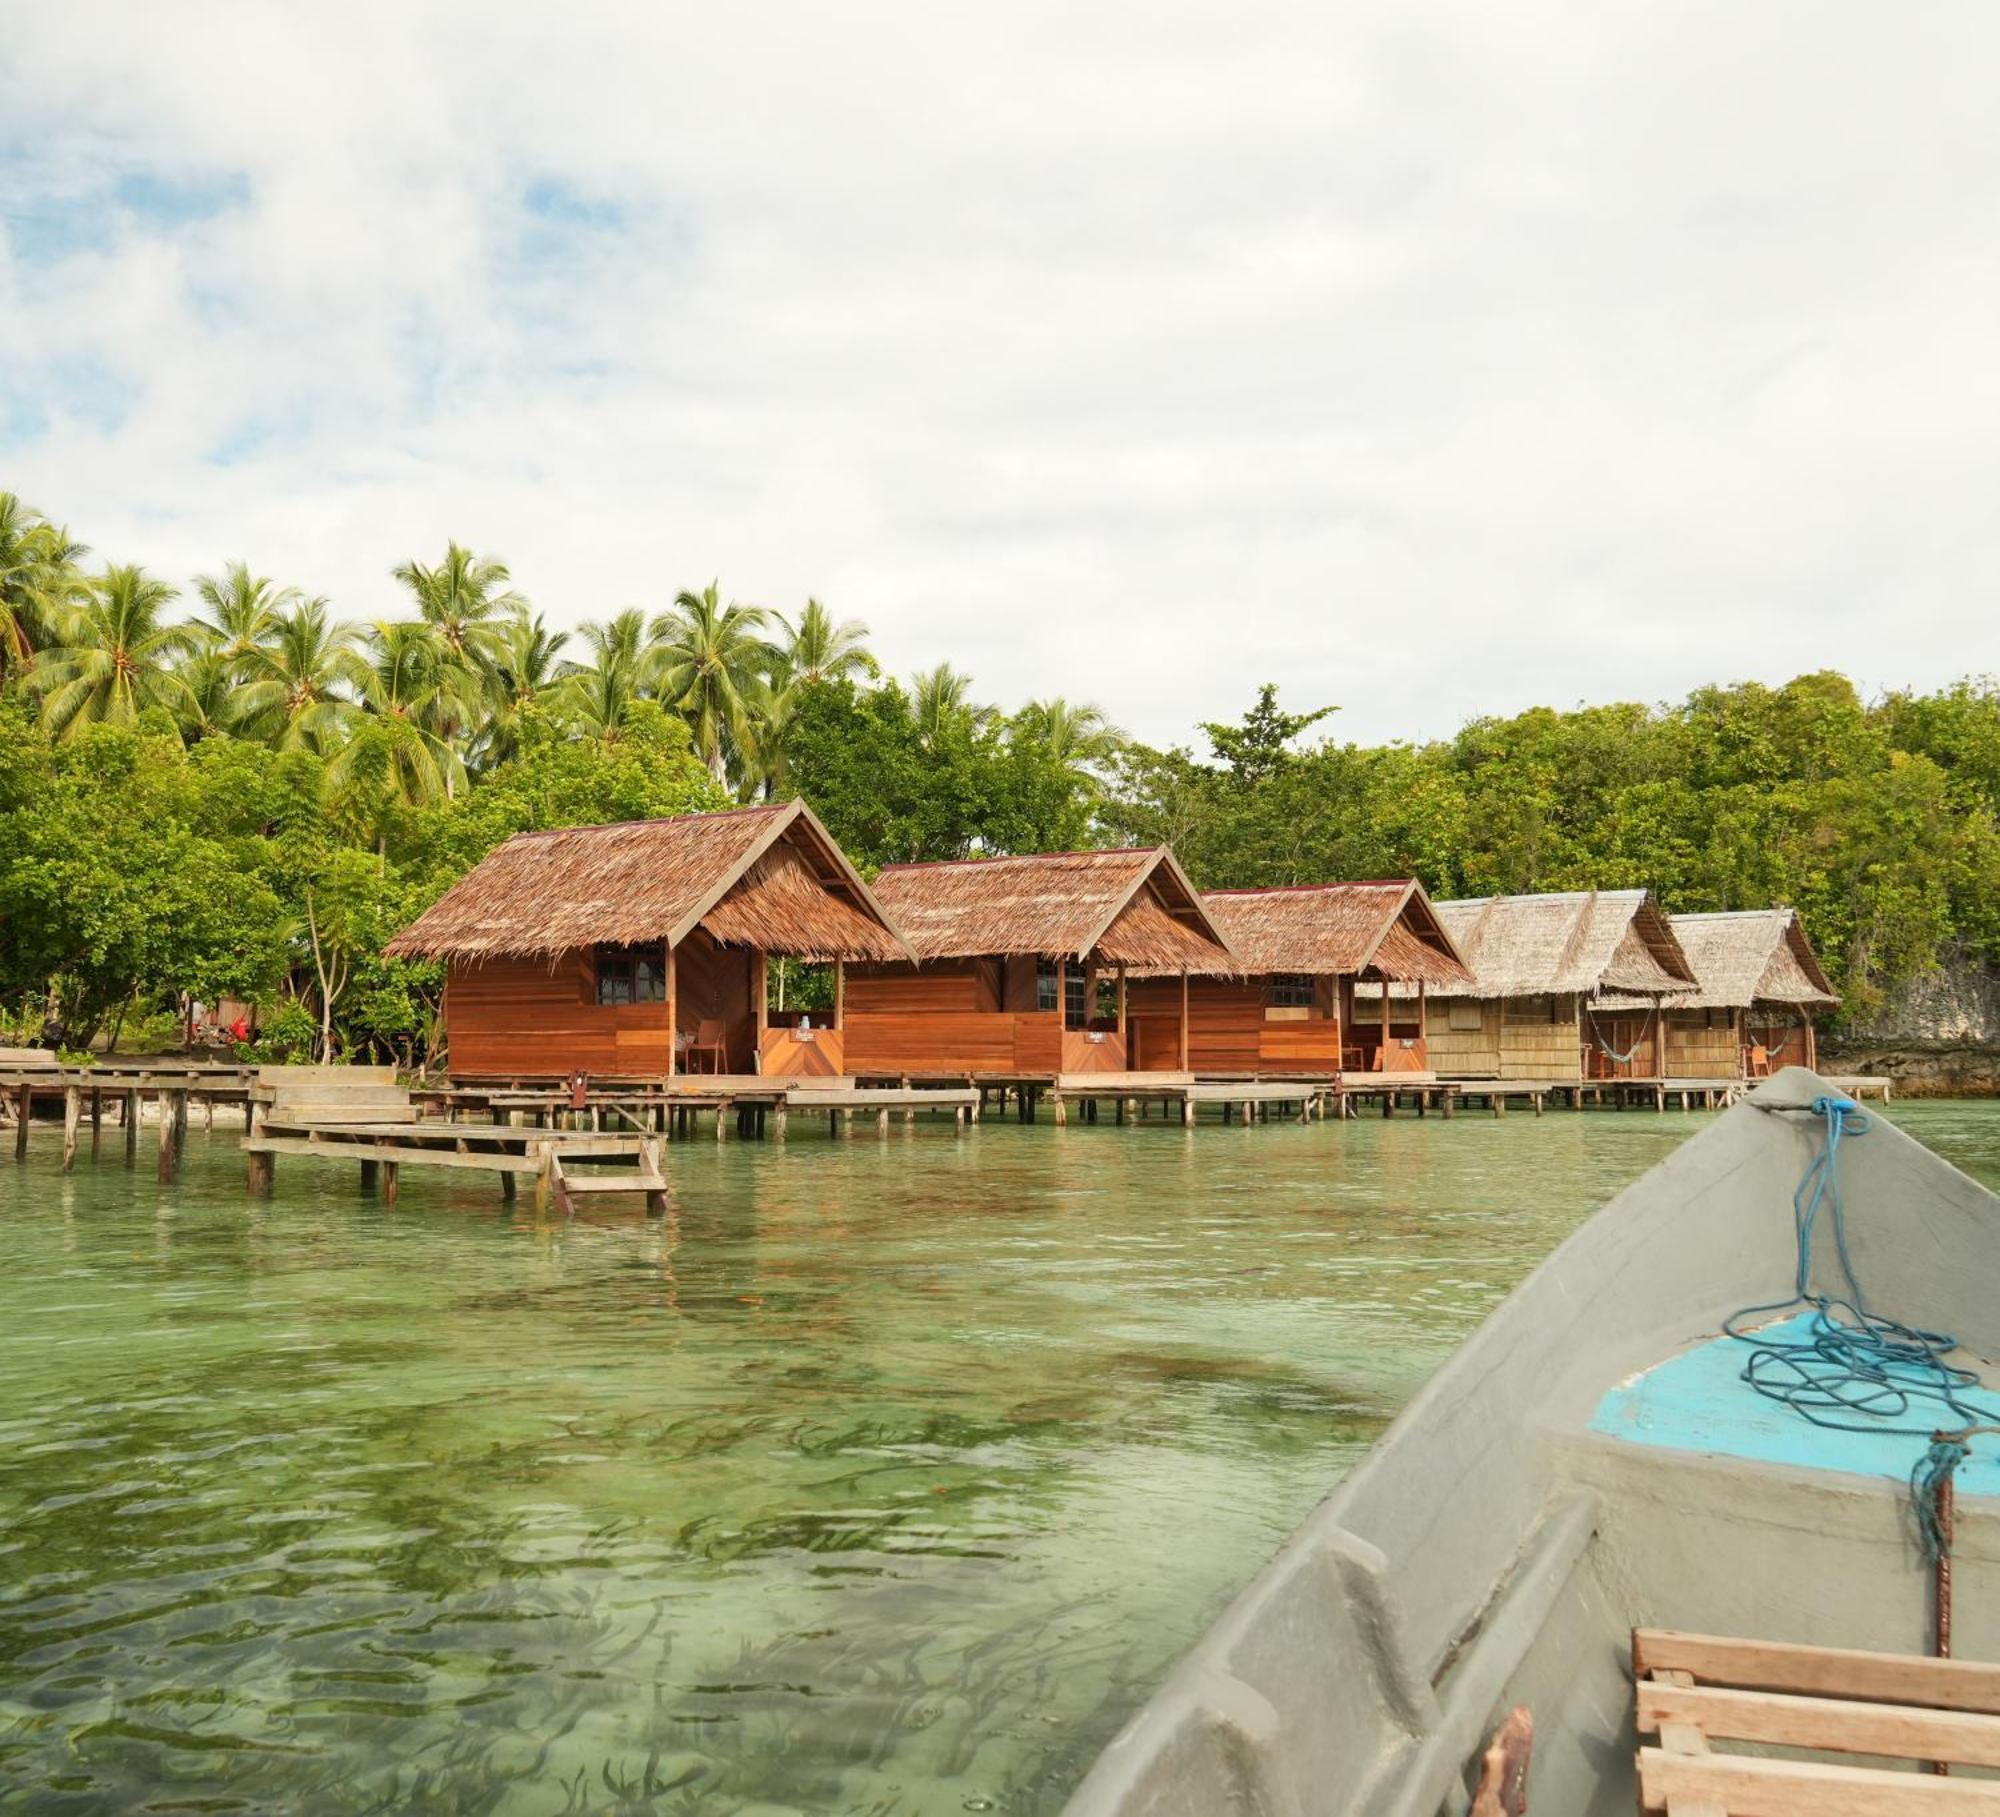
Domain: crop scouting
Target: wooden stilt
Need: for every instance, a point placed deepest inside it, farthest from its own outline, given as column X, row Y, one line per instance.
column 392, row 1182
column 169, row 1152
column 371, row 1175
column 72, row 1116
column 779, row 1114
column 96, row 1121
column 24, row 1114
column 131, row 1128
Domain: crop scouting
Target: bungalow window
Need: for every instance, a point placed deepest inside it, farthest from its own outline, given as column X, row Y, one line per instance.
column 1076, row 999
column 624, row 976
column 1290, row 990
column 1048, row 986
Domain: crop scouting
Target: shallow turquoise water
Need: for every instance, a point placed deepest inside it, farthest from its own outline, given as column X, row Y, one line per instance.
column 885, row 1476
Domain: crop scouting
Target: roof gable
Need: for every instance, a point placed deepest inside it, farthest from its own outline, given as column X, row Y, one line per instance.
column 1577, row 942
column 1055, row 905
column 1383, row 929
column 771, row 876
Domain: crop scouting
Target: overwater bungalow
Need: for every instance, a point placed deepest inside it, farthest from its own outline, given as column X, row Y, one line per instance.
column 1551, row 978
column 1758, row 986
column 1287, row 1006
column 640, row 949
column 1024, row 963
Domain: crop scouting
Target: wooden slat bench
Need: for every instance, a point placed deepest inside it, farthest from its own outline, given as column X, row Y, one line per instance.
column 1694, row 1689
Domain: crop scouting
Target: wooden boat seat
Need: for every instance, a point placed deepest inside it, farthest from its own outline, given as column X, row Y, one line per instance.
column 1694, row 1689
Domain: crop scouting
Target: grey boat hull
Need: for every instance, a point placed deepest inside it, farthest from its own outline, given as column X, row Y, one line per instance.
column 1494, row 1549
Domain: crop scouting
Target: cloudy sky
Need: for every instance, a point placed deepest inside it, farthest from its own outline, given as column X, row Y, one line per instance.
column 1432, row 360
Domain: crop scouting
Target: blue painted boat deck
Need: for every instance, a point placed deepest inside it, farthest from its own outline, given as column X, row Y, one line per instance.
column 1699, row 1401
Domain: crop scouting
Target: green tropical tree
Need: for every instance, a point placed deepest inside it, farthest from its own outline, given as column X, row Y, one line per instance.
column 713, row 668
column 116, row 658
column 597, row 696
column 941, row 703
column 39, row 582
column 239, row 610
column 1079, row 740
column 294, row 693
column 464, row 599
column 404, row 688
column 819, row 648
column 528, row 673
column 213, row 700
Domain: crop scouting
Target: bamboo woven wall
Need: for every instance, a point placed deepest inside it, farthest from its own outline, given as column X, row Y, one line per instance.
column 1517, row 1038
column 1703, row 1044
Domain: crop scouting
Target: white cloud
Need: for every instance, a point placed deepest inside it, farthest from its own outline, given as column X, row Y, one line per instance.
column 1429, row 359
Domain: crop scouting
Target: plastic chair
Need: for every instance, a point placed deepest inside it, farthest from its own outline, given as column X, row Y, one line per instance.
column 708, row 1039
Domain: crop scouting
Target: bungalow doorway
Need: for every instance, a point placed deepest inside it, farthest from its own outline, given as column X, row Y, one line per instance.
column 1622, row 1046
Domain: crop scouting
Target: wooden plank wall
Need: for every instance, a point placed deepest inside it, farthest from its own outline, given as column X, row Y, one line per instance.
column 517, row 1016
column 785, row 1056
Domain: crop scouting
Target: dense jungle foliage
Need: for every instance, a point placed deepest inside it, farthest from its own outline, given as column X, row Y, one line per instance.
column 242, row 794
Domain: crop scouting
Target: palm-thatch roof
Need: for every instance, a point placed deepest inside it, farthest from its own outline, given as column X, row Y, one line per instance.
column 1375, row 930
column 769, row 877
column 1743, row 957
column 1590, row 942
column 1130, row 908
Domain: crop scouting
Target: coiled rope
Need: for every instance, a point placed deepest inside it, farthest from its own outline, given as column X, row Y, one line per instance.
column 1853, row 1370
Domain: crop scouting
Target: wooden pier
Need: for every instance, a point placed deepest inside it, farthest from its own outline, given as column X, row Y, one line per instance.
column 360, row 1113
column 86, row 1092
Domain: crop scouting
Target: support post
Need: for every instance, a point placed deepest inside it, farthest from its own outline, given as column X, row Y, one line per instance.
column 544, row 1154
column 96, row 1121
column 371, row 1175
column 840, row 993
column 1187, row 1106
column 169, row 1164
column 1187, row 1059
column 392, row 1183
column 780, row 1115
column 132, row 1128
column 72, row 1116
column 1061, row 1108
column 673, row 1014
column 24, row 1111
column 259, row 1171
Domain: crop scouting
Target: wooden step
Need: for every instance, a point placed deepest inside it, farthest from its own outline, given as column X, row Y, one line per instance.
column 313, row 1111
column 613, row 1182
column 282, row 1076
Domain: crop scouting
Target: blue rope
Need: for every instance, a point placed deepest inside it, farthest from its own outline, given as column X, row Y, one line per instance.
column 1853, row 1369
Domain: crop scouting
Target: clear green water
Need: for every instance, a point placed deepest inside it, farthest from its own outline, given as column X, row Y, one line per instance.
column 885, row 1476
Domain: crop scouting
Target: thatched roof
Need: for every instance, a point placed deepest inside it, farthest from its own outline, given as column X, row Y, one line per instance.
column 1743, row 957
column 1376, row 930
column 1131, row 908
column 769, row 877
column 1594, row 942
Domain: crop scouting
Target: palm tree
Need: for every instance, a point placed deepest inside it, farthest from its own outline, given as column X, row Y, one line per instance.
column 1079, row 738
column 39, row 582
column 527, row 674
column 818, row 649
column 712, row 669
column 291, row 694
column 404, row 688
column 598, row 694
column 941, row 701
column 214, row 703
column 460, row 600
column 239, row 610
column 116, row 658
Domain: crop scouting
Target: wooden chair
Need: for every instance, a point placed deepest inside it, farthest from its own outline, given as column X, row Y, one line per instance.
column 1757, row 1062
column 1694, row 1689
column 709, row 1040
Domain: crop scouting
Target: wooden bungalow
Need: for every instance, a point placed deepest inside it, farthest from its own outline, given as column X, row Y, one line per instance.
column 1023, row 966
column 1758, row 985
column 640, row 949
column 1287, row 1008
column 1550, row 977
